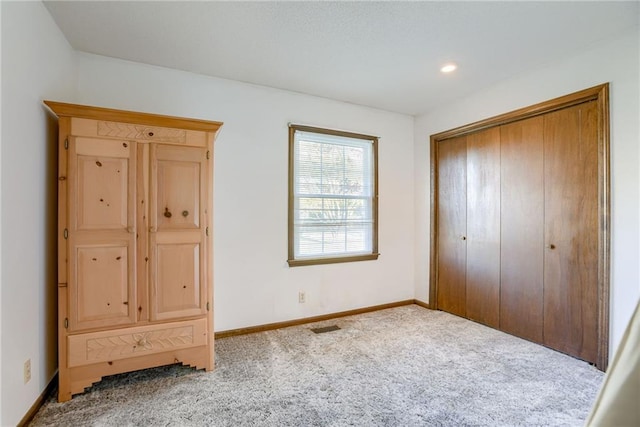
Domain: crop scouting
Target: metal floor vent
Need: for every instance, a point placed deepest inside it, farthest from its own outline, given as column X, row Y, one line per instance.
column 325, row 329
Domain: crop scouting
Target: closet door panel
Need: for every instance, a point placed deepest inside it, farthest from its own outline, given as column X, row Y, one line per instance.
column 452, row 223
column 483, row 227
column 522, row 228
column 571, row 234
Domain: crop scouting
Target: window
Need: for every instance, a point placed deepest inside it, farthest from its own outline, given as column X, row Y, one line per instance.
column 333, row 197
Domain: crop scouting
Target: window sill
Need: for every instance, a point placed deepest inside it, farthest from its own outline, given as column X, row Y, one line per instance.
column 319, row 261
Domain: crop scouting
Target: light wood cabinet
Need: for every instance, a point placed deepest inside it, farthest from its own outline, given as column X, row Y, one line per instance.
column 134, row 255
column 521, row 225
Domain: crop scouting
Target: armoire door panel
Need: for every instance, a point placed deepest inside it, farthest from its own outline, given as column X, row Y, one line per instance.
column 102, row 193
column 102, row 173
column 179, row 203
column 179, row 175
column 102, row 289
column 101, row 235
column 522, row 228
column 483, row 227
column 452, row 225
column 177, row 248
column 179, row 284
column 571, row 234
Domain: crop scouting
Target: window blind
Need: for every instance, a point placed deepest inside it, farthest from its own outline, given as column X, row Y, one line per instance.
column 333, row 195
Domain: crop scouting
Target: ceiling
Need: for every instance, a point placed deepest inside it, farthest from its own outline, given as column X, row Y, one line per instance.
column 385, row 55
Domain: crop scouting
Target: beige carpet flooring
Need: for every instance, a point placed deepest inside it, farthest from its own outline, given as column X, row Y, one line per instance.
column 406, row 366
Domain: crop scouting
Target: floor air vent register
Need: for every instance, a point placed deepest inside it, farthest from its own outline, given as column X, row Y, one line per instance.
column 325, row 329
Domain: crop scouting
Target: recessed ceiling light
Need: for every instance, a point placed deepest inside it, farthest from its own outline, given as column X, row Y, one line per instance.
column 448, row 68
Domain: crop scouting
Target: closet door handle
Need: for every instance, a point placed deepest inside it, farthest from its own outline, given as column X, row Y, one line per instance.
column 463, row 237
column 551, row 246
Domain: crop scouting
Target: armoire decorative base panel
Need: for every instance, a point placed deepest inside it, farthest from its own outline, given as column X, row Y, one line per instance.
column 135, row 273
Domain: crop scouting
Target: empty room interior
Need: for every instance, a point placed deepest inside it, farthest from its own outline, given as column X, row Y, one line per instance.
column 318, row 213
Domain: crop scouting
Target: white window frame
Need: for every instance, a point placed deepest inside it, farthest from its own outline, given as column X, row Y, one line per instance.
column 370, row 201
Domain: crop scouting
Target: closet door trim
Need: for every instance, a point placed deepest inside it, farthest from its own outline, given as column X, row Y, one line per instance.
column 600, row 94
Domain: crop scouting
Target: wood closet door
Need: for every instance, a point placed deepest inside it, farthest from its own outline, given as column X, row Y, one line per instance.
column 571, row 231
column 101, row 233
column 179, row 198
column 522, row 228
column 483, row 227
column 452, row 225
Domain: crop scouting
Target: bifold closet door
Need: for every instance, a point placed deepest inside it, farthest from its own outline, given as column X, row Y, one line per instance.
column 483, row 227
column 571, row 231
column 522, row 228
column 452, row 225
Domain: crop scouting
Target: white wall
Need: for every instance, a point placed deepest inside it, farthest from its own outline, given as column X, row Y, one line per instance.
column 1, row 334
column 615, row 61
column 37, row 63
column 253, row 284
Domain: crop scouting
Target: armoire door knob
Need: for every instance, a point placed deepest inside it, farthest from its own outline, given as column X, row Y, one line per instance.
column 463, row 237
column 551, row 246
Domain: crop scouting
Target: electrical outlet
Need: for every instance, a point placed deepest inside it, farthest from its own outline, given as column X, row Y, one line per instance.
column 302, row 298
column 27, row 371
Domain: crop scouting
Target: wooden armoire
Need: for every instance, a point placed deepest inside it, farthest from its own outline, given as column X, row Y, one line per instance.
column 520, row 231
column 135, row 279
